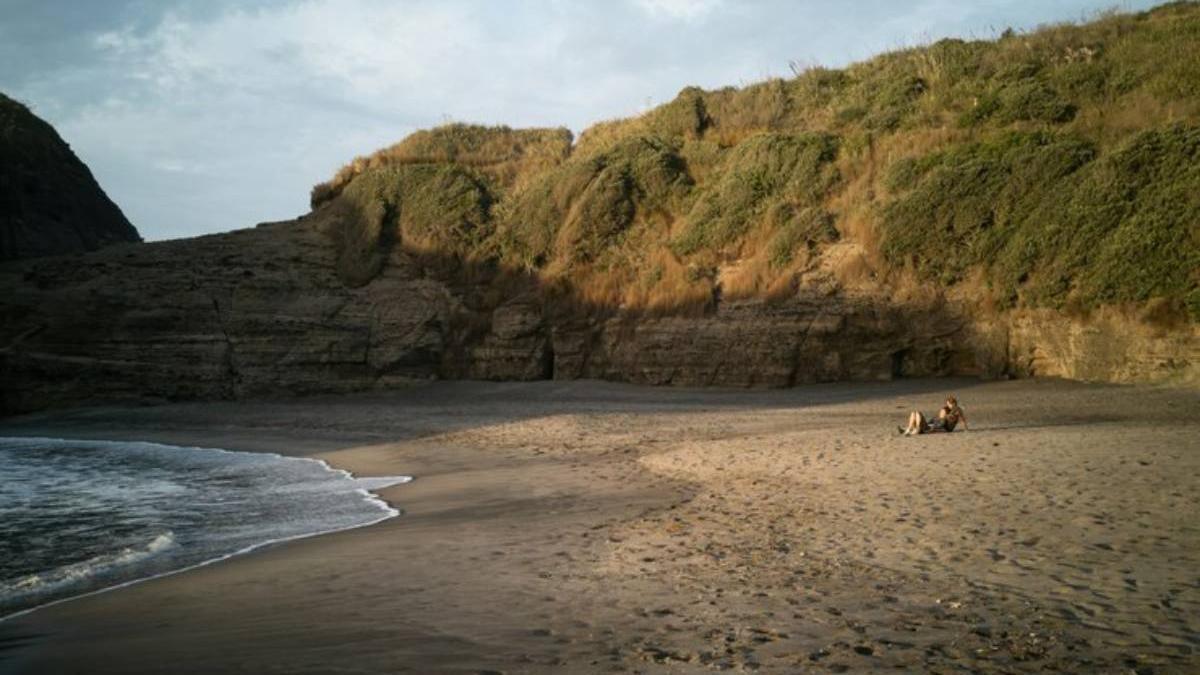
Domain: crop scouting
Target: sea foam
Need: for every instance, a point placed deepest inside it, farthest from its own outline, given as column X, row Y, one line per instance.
column 81, row 517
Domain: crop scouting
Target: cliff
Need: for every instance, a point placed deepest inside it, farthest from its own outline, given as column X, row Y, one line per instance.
column 49, row 202
column 1025, row 206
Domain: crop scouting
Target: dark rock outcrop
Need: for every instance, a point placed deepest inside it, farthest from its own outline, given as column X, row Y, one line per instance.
column 263, row 312
column 251, row 312
column 49, row 202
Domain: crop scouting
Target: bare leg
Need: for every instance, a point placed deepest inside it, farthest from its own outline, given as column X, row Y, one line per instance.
column 916, row 422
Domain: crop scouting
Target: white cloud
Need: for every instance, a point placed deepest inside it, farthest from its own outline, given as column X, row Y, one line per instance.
column 273, row 100
column 173, row 165
column 685, row 10
column 116, row 41
column 366, row 51
column 213, row 116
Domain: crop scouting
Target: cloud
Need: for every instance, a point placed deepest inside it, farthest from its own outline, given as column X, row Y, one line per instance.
column 206, row 115
column 274, row 99
column 684, row 10
column 116, row 41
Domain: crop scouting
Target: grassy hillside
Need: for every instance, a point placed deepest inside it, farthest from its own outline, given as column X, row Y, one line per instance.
column 1057, row 168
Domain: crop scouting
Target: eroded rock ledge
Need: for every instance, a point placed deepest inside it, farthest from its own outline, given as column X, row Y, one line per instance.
column 262, row 312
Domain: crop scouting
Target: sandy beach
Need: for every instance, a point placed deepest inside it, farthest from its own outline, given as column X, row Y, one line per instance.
column 597, row 527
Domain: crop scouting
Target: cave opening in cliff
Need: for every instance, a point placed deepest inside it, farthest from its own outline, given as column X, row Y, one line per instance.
column 548, row 363
column 899, row 358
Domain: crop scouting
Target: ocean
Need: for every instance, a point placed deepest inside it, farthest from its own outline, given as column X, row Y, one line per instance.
column 77, row 517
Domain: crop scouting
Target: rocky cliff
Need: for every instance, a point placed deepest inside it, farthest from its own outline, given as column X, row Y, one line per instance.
column 1021, row 207
column 49, row 202
column 263, row 312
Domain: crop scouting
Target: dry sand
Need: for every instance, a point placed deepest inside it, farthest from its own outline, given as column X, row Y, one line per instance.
column 592, row 527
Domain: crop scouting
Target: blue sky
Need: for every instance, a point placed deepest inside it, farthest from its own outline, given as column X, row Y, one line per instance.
column 201, row 116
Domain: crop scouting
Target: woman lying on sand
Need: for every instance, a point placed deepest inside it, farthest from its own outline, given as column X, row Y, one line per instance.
column 947, row 418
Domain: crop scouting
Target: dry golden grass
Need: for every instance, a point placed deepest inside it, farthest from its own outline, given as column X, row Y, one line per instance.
column 665, row 286
column 747, row 279
column 704, row 196
column 605, row 134
column 503, row 154
column 1127, row 115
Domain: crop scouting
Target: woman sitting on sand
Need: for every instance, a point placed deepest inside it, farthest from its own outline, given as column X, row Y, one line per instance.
column 947, row 418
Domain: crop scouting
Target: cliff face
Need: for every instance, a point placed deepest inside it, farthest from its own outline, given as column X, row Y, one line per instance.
column 1012, row 208
column 263, row 312
column 49, row 202
column 1107, row 346
column 251, row 312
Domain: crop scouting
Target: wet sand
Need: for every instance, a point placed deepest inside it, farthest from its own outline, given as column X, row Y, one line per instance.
column 595, row 527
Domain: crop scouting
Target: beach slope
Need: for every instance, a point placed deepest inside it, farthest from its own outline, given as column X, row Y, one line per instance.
column 596, row 527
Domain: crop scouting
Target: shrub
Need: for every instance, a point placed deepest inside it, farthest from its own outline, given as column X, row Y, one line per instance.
column 1033, row 101
column 798, row 230
column 423, row 206
column 686, row 116
column 895, row 101
column 759, row 171
column 574, row 211
column 499, row 153
column 1048, row 219
column 970, row 201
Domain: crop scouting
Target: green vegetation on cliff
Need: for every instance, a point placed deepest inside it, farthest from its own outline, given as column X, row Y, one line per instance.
column 1055, row 168
column 498, row 153
column 1049, row 221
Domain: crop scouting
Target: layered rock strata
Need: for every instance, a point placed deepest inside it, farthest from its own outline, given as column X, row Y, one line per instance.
column 262, row 312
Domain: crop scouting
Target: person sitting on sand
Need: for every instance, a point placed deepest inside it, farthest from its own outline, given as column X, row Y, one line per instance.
column 947, row 418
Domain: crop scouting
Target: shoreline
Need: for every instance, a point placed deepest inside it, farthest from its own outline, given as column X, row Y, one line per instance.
column 389, row 511
column 594, row 527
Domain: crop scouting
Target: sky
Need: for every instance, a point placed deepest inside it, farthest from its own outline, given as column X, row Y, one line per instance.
column 200, row 116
